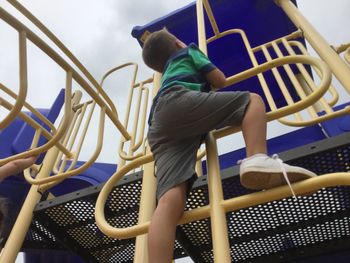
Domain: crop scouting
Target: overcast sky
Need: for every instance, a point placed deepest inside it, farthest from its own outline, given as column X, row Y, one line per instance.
column 98, row 33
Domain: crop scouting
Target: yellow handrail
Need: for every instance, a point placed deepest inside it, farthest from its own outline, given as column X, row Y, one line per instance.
column 134, row 143
column 62, row 47
column 59, row 176
column 288, row 45
column 347, row 55
column 111, row 113
column 22, row 82
column 55, row 138
column 30, row 108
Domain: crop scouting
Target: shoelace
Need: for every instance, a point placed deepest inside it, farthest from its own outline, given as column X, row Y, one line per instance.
column 275, row 157
column 280, row 162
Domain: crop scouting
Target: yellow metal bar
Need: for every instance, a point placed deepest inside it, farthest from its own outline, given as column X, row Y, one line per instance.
column 284, row 111
column 300, row 188
column 293, row 35
column 294, row 80
column 30, row 108
column 280, row 82
column 211, row 17
column 110, row 110
column 202, row 40
column 199, row 169
column 148, row 197
column 36, row 126
column 102, row 197
column 23, row 82
column 74, row 127
column 203, row 212
column 136, row 120
column 347, row 55
column 221, row 247
column 54, row 140
column 122, row 155
column 341, row 48
column 306, row 75
column 255, row 63
column 138, row 143
column 338, row 66
column 19, row 230
column 83, row 133
column 80, row 169
column 65, row 50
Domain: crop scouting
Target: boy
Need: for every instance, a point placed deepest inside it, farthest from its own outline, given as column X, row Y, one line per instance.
column 180, row 115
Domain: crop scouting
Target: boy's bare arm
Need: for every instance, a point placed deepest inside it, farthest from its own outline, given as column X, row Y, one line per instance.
column 216, row 78
column 16, row 166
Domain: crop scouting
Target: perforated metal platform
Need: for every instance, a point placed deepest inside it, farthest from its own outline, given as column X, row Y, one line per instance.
column 280, row 231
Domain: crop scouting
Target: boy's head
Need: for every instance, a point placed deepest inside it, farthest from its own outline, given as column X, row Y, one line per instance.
column 158, row 48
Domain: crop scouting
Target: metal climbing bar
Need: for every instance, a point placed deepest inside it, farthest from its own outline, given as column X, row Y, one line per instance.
column 65, row 143
column 338, row 66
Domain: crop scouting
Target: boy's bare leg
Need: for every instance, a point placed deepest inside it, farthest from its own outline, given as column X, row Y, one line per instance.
column 161, row 234
column 254, row 126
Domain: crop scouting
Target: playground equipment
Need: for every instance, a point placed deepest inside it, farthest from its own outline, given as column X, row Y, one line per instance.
column 223, row 222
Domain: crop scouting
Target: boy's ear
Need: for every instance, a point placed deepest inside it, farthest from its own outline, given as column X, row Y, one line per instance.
column 180, row 44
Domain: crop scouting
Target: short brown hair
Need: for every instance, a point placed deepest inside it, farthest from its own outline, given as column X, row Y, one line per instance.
column 158, row 48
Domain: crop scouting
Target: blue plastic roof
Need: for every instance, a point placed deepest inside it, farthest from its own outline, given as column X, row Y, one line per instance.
column 262, row 20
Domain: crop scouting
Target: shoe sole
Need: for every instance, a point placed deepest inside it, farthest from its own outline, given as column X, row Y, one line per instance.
column 263, row 180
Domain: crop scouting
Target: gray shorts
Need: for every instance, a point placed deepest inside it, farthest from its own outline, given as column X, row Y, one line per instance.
column 180, row 119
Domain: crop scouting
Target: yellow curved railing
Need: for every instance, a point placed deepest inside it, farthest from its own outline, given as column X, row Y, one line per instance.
column 64, row 144
column 277, row 113
column 347, row 55
column 20, row 100
column 345, row 48
column 28, row 106
column 302, row 83
column 94, row 90
column 52, row 140
column 65, row 135
column 137, row 133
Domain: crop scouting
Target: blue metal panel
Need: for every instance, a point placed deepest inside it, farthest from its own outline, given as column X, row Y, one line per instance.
column 338, row 125
column 262, row 21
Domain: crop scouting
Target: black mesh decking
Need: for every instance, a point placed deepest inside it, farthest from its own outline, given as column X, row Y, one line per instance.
column 308, row 229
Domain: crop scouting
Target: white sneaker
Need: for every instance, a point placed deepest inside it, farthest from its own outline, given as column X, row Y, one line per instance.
column 263, row 172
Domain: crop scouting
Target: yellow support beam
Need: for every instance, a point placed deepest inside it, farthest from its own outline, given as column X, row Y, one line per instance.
column 316, row 40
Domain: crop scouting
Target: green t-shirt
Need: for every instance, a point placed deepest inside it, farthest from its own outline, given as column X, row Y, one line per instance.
column 187, row 68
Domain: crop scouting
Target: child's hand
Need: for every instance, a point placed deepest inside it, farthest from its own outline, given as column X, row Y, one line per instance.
column 16, row 166
column 24, row 163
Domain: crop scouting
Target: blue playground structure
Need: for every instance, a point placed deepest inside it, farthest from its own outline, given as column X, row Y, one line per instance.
column 260, row 46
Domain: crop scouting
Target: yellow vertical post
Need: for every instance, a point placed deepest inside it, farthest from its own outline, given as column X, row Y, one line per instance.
column 221, row 247
column 148, row 199
column 337, row 65
column 24, row 218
